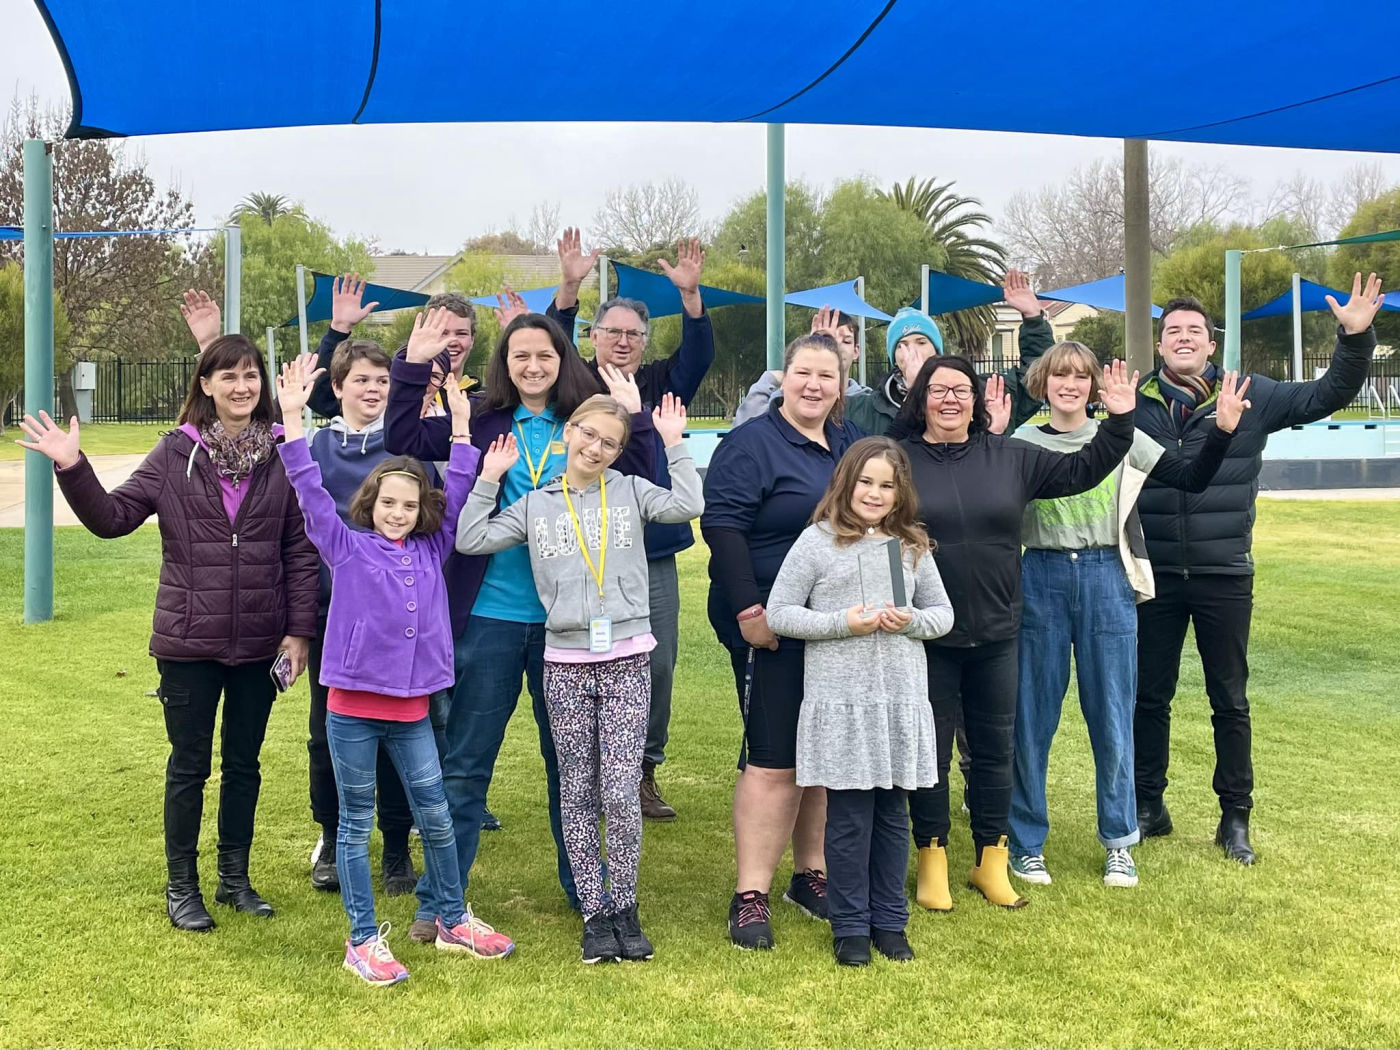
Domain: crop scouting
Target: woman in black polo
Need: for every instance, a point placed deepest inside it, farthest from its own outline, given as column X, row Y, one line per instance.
column 761, row 488
column 973, row 489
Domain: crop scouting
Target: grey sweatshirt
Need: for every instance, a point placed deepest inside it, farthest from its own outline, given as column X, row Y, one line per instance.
column 865, row 720
column 566, row 585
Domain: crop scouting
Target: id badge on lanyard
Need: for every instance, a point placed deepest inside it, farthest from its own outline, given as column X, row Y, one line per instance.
column 600, row 626
column 600, row 634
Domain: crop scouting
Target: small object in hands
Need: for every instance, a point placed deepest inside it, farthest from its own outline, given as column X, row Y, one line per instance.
column 281, row 671
column 896, row 553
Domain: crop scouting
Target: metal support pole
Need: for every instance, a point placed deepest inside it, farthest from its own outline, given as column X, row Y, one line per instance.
column 602, row 280
column 233, row 279
column 38, row 377
column 777, row 243
column 1232, row 309
column 1137, row 257
column 923, row 289
column 860, row 291
column 1297, row 328
column 301, row 305
column 272, row 355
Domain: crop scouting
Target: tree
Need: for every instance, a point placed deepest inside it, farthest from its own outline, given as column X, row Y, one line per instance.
column 1101, row 333
column 1382, row 257
column 12, row 335
column 266, row 206
column 650, row 216
column 742, row 236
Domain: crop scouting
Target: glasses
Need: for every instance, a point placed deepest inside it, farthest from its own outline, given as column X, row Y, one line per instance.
column 636, row 335
column 590, row 435
column 938, row 393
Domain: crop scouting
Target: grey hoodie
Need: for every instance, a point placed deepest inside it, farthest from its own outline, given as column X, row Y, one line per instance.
column 566, row 585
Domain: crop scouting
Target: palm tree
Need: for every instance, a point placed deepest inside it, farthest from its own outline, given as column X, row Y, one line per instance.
column 267, row 206
column 955, row 225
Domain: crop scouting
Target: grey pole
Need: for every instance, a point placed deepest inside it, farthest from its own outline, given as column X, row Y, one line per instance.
column 1297, row 328
column 301, row 305
column 1232, row 309
column 923, row 289
column 777, row 242
column 233, row 279
column 1137, row 257
column 38, row 377
column 272, row 355
column 602, row 279
column 860, row 291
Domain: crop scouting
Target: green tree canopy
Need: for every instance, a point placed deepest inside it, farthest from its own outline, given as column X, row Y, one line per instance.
column 12, row 336
column 1382, row 257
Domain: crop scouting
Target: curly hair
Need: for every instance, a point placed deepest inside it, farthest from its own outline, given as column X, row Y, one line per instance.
column 432, row 504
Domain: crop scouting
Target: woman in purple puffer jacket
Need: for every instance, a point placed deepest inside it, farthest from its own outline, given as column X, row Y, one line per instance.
column 238, row 586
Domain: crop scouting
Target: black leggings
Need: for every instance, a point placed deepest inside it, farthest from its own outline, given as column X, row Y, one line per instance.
column 981, row 681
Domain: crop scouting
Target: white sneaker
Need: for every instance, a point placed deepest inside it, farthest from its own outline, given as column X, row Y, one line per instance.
column 1030, row 869
column 1119, row 869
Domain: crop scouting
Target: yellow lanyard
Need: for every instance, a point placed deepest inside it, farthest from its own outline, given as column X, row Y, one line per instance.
column 536, row 469
column 597, row 570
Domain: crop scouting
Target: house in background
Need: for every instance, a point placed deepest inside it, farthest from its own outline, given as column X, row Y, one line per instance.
column 1005, row 341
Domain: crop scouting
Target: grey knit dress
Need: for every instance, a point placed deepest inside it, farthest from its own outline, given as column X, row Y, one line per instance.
column 865, row 720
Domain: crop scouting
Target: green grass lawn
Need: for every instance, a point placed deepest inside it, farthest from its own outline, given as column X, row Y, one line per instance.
column 1301, row 950
column 99, row 439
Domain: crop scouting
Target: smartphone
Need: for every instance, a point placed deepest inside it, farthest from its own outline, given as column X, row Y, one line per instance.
column 281, row 671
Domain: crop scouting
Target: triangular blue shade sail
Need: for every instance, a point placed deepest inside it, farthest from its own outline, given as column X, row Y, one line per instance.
column 660, row 295
column 1104, row 294
column 1313, row 298
column 318, row 308
column 839, row 296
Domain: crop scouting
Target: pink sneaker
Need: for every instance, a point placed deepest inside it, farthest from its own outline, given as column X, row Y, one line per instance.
column 373, row 961
column 474, row 936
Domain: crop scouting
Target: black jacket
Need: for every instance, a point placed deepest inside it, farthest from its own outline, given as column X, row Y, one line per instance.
column 972, row 497
column 1213, row 531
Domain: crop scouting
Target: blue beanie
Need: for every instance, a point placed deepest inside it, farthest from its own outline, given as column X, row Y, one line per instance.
column 908, row 321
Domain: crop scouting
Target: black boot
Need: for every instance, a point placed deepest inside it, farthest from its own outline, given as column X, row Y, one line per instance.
column 234, row 887
column 1233, row 836
column 183, row 901
column 1153, row 818
column 323, row 873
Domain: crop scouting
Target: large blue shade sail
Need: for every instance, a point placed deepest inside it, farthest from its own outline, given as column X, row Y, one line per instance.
column 1314, row 299
column 660, row 295
column 839, row 296
column 1254, row 72
column 1104, row 294
column 948, row 294
column 318, row 308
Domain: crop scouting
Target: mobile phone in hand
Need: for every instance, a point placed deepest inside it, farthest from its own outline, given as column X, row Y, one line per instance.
column 281, row 671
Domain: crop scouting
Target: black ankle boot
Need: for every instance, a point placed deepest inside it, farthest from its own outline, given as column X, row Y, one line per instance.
column 1233, row 836
column 1153, row 818
column 234, row 887
column 183, row 902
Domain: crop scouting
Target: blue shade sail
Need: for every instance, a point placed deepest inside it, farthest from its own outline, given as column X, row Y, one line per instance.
column 660, row 295
column 839, row 296
column 1104, row 294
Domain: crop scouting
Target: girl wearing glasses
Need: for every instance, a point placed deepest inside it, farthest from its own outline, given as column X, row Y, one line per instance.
column 584, row 535
column 973, row 489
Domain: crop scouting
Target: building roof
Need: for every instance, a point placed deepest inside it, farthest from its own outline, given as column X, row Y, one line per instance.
column 410, row 272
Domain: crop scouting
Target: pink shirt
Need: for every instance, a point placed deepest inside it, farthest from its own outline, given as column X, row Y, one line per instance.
column 640, row 643
column 356, row 703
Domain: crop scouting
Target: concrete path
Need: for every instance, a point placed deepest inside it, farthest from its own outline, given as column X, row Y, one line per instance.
column 1335, row 494
column 111, row 471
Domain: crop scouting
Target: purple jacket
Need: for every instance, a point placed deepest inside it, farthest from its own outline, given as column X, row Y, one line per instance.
column 388, row 630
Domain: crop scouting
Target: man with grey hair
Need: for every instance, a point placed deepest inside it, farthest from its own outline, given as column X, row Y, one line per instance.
column 619, row 336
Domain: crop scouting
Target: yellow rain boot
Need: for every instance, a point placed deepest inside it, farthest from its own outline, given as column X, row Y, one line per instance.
column 932, row 892
column 989, row 877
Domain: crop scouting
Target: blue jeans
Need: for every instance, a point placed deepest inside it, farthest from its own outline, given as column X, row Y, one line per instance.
column 1080, row 600
column 491, row 656
column 354, row 744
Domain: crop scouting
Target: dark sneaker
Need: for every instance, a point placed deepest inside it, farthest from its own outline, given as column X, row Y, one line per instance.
column 600, row 940
column 489, row 821
column 630, row 938
column 851, row 951
column 808, row 891
column 424, row 931
column 892, row 944
column 323, row 873
column 399, row 876
column 749, row 925
column 654, row 807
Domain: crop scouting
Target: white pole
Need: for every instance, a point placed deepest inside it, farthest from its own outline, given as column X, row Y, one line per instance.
column 860, row 291
column 1297, row 328
column 923, row 287
column 272, row 355
column 301, row 305
column 602, row 279
column 233, row 279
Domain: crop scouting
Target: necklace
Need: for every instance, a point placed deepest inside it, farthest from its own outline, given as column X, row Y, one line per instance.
column 870, row 531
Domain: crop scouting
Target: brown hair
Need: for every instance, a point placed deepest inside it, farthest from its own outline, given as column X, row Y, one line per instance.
column 902, row 522
column 571, row 389
column 913, row 415
column 1062, row 359
column 456, row 303
column 605, row 405
column 352, row 350
column 432, row 504
column 1184, row 302
column 225, row 353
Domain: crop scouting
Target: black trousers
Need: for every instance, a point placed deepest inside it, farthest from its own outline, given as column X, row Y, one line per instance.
column 1220, row 607
column 867, row 858
column 189, row 695
column 395, row 815
column 981, row 682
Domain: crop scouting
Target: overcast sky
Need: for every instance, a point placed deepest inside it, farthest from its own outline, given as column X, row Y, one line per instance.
column 427, row 188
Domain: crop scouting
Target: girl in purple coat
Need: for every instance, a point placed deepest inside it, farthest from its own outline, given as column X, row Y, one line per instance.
column 388, row 647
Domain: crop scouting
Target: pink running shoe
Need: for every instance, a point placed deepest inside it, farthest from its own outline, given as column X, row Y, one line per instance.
column 373, row 961
column 473, row 936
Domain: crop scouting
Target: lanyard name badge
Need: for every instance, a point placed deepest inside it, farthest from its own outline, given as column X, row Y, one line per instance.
column 537, row 469
column 599, row 627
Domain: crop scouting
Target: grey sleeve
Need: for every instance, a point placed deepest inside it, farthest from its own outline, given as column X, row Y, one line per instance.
column 479, row 533
column 683, row 501
column 787, row 610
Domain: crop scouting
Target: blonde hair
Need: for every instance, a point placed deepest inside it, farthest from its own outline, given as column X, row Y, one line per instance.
column 605, row 405
column 1063, row 359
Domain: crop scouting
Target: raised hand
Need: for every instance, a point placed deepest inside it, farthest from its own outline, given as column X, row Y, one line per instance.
column 346, row 311
column 690, row 260
column 429, row 336
column 510, row 304
column 48, row 437
column 622, row 387
column 863, row 619
column 1017, row 288
column 294, row 384
column 459, row 406
column 998, row 404
column 1230, row 402
column 1360, row 310
column 502, row 454
column 1119, row 393
column 202, row 314
column 574, row 265
column 824, row 322
column 669, row 419
column 894, row 620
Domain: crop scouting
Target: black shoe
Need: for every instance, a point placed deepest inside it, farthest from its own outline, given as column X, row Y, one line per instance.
column 323, row 873
column 851, row 951
column 808, row 891
column 892, row 944
column 654, row 807
column 399, row 876
column 1233, row 836
column 234, row 887
column 183, row 901
column 749, row 925
column 600, row 940
column 489, row 821
column 1153, row 818
column 631, row 940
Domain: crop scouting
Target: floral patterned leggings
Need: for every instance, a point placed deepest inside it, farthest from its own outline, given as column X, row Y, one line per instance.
column 598, row 715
